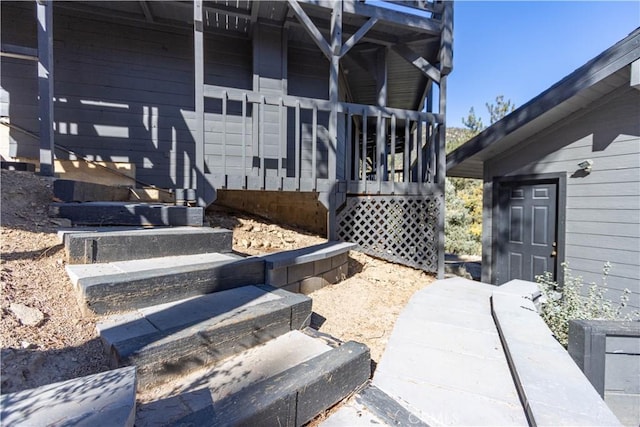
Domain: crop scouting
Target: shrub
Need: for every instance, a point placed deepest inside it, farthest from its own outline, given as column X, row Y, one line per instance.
column 561, row 304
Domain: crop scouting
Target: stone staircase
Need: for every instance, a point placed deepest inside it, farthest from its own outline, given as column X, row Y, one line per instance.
column 215, row 338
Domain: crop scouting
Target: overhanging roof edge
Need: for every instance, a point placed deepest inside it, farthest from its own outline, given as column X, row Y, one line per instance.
column 608, row 62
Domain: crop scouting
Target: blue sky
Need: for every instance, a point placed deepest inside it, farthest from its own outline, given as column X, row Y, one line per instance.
column 519, row 49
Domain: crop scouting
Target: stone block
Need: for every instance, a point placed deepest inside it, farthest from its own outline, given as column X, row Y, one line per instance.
column 298, row 272
column 312, row 284
column 292, row 287
column 338, row 260
column 276, row 277
column 336, row 275
column 321, row 266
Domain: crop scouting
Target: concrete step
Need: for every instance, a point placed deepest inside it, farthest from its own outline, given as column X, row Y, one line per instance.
column 167, row 340
column 100, row 400
column 109, row 246
column 287, row 381
column 127, row 213
column 128, row 285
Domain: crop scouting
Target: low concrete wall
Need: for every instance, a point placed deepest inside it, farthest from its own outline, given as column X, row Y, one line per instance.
column 308, row 269
column 552, row 388
column 608, row 352
column 299, row 209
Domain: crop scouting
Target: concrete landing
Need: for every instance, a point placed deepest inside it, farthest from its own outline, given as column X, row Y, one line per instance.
column 128, row 285
column 226, row 378
column 78, row 272
column 466, row 353
column 126, row 213
column 122, row 245
column 101, row 400
column 290, row 397
column 445, row 362
column 172, row 339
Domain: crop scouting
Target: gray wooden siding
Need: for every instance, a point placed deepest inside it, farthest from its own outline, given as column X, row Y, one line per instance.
column 122, row 93
column 308, row 76
column 603, row 207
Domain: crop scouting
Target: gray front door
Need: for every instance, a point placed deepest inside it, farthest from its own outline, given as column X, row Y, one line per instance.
column 526, row 241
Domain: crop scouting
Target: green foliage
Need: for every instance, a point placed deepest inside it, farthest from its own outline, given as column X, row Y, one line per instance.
column 568, row 302
column 463, row 220
column 463, row 231
column 499, row 109
column 473, row 122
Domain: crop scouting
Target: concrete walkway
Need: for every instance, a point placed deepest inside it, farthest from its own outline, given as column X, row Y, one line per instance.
column 460, row 354
column 445, row 359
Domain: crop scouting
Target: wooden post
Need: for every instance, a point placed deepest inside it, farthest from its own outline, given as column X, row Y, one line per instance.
column 198, row 52
column 441, row 174
column 446, row 65
column 334, row 98
column 45, row 86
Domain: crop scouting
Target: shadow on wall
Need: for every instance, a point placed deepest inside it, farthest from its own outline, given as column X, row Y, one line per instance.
column 114, row 101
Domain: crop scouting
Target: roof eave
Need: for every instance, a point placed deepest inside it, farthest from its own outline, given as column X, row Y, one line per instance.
column 610, row 61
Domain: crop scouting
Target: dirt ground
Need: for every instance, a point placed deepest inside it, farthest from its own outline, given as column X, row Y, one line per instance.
column 64, row 343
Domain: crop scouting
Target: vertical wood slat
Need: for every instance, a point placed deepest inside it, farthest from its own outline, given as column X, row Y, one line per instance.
column 298, row 147
column 281, row 136
column 224, row 134
column 393, row 148
column 364, row 150
column 198, row 46
column 356, row 155
column 314, row 147
column 244, row 138
column 379, row 151
column 348, row 145
column 432, row 153
column 419, row 131
column 407, row 152
column 261, row 147
column 45, row 86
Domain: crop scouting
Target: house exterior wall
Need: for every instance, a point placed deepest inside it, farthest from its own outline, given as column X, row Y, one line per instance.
column 125, row 93
column 603, row 207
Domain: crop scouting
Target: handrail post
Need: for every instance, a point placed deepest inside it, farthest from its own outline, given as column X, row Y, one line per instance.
column 198, row 42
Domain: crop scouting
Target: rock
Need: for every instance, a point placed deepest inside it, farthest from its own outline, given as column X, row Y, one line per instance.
column 246, row 243
column 249, row 227
column 61, row 222
column 289, row 239
column 256, row 244
column 27, row 345
column 28, row 316
column 266, row 244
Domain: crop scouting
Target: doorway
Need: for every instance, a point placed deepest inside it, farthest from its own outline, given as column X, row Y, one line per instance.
column 527, row 239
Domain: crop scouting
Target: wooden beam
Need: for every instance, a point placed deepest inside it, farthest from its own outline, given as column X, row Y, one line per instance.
column 357, row 36
column 635, row 74
column 441, row 170
column 253, row 17
column 198, row 55
column 19, row 52
column 375, row 37
column 418, row 4
column 418, row 61
column 146, row 10
column 311, row 28
column 446, row 39
column 45, row 86
column 334, row 99
column 392, row 17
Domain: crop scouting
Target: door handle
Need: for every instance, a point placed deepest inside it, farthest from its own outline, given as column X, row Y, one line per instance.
column 554, row 252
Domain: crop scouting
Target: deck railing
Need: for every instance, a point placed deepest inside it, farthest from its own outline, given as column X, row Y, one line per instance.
column 280, row 142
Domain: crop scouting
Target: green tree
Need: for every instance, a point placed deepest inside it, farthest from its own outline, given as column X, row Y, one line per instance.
column 499, row 108
column 463, row 218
